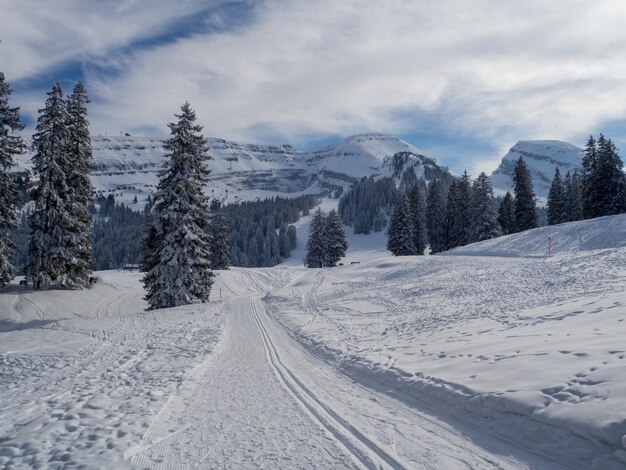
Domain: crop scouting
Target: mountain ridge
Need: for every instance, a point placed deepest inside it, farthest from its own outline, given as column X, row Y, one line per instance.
column 128, row 166
column 542, row 158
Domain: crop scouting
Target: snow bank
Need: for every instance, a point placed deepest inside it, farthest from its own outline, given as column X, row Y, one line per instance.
column 528, row 347
column 585, row 235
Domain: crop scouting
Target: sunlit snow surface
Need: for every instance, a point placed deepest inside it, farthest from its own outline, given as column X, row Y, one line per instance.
column 497, row 356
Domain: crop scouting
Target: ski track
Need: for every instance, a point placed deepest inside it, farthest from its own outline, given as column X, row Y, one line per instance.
column 219, row 385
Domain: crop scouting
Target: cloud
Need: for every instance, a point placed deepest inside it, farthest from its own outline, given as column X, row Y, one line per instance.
column 492, row 70
column 37, row 36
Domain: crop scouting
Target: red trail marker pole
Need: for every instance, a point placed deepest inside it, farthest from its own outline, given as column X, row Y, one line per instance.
column 549, row 246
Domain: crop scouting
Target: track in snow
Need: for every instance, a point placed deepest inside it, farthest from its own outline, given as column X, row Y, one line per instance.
column 357, row 444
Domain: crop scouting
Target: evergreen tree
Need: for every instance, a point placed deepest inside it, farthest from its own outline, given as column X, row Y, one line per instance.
column 556, row 200
column 610, row 177
column 315, row 244
column 459, row 212
column 10, row 146
column 291, row 234
column 483, row 211
column 506, row 214
column 79, row 259
column 176, row 244
column 572, row 196
column 525, row 204
column 400, row 235
column 220, row 242
column 417, row 206
column 589, row 180
column 335, row 244
column 284, row 244
column 52, row 226
column 451, row 215
column 436, row 217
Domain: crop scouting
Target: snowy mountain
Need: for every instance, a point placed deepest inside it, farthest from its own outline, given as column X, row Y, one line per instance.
column 542, row 158
column 128, row 166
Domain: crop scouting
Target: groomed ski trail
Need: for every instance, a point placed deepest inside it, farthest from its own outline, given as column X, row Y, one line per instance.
column 262, row 400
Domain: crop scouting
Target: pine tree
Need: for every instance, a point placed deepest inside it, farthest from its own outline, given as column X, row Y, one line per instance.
column 79, row 259
column 451, row 215
column 315, row 244
column 589, row 180
column 176, row 246
column 572, row 197
column 10, row 146
column 506, row 214
column 400, row 235
column 436, row 217
column 220, row 242
column 292, row 235
column 284, row 245
column 417, row 206
column 459, row 212
column 525, row 204
column 335, row 244
column 556, row 200
column 483, row 211
column 52, row 226
column 610, row 179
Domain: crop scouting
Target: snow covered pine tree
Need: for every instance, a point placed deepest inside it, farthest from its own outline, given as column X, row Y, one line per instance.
column 176, row 246
column 10, row 146
column 556, row 200
column 484, row 211
column 335, row 244
column 80, row 261
column 436, row 217
column 417, row 205
column 506, row 214
column 52, row 227
column 525, row 204
column 314, row 257
column 60, row 251
column 400, row 236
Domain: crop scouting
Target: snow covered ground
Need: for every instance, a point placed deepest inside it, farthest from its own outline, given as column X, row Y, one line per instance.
column 495, row 358
column 528, row 347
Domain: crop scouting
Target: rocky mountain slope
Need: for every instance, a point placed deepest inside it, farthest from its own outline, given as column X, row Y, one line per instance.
column 127, row 166
column 542, row 158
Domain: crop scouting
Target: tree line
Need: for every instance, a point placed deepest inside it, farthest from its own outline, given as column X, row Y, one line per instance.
column 465, row 212
column 599, row 190
column 261, row 233
column 62, row 235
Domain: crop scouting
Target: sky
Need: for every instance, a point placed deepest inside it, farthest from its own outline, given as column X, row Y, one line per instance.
column 463, row 80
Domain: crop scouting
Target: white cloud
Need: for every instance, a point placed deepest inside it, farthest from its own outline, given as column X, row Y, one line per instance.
column 498, row 70
column 38, row 35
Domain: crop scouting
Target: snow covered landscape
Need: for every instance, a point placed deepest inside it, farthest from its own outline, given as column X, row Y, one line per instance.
column 493, row 356
column 312, row 235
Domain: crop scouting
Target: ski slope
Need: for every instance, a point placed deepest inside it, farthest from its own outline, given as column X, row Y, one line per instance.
column 493, row 358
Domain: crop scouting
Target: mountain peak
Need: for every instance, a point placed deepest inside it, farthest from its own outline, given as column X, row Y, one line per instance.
column 542, row 158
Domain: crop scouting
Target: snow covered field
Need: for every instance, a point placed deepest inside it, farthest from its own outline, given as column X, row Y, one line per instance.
column 495, row 358
column 529, row 348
